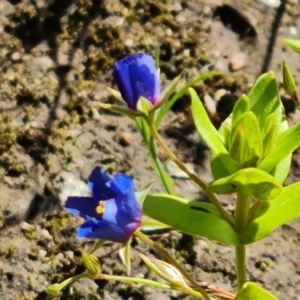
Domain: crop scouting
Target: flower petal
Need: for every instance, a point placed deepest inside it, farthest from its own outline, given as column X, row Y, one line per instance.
column 127, row 203
column 84, row 207
column 99, row 182
column 136, row 77
column 105, row 231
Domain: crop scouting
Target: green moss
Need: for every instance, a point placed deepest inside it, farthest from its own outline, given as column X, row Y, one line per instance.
column 30, row 234
column 12, row 253
column 58, row 223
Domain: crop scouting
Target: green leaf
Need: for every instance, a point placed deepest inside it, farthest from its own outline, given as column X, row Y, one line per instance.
column 144, row 105
column 294, row 44
column 253, row 291
column 241, row 106
column 141, row 194
column 115, row 93
column 283, row 209
column 125, row 255
column 221, row 163
column 191, row 217
column 181, row 92
column 169, row 89
column 264, row 98
column 263, row 186
column 289, row 83
column 246, row 145
column 285, row 144
column 269, row 135
column 144, row 130
column 121, row 110
column 150, row 224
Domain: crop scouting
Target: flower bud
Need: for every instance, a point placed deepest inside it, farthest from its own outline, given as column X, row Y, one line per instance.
column 164, row 270
column 92, row 265
column 53, row 290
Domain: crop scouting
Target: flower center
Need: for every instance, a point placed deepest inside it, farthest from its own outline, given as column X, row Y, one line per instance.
column 100, row 208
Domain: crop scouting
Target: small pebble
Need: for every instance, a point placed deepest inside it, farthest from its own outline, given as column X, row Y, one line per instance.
column 126, row 139
column 44, row 233
column 42, row 253
column 219, row 93
column 59, row 257
column 169, row 32
column 237, row 61
column 16, row 56
column 209, row 103
column 26, row 227
column 186, row 52
column 129, row 42
column 70, row 254
column 293, row 30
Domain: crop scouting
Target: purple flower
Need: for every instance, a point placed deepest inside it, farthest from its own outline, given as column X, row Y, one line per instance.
column 136, row 76
column 112, row 212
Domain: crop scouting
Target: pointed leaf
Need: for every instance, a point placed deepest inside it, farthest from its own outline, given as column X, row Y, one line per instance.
column 253, row 291
column 285, row 144
column 115, row 93
column 121, row 110
column 246, row 145
column 289, row 83
column 222, row 164
column 294, row 44
column 149, row 224
column 181, row 92
column 262, row 185
column 264, row 98
column 283, row 209
column 144, row 105
column 141, row 194
column 241, row 106
column 169, row 89
column 191, row 217
column 125, row 256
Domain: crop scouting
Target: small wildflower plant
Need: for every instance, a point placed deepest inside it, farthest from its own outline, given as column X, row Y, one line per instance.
column 250, row 159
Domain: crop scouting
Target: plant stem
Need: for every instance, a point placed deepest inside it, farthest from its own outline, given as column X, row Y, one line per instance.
column 241, row 221
column 240, row 265
column 225, row 215
column 172, row 261
column 242, row 211
column 149, row 283
column 159, row 168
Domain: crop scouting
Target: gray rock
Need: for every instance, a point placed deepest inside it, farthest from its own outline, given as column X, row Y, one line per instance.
column 72, row 186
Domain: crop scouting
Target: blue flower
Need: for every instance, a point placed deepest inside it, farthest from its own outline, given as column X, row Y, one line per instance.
column 112, row 212
column 136, row 76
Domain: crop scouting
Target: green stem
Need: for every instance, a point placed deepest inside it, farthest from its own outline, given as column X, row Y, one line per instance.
column 149, row 283
column 225, row 215
column 241, row 220
column 240, row 265
column 242, row 211
column 159, row 168
column 172, row 261
column 71, row 280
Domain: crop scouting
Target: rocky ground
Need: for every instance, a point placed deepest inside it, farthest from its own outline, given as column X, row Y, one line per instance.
column 56, row 59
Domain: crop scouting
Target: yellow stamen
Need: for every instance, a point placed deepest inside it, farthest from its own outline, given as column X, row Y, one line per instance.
column 100, row 208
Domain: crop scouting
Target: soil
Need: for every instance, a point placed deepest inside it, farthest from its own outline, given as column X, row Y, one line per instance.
column 56, row 59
